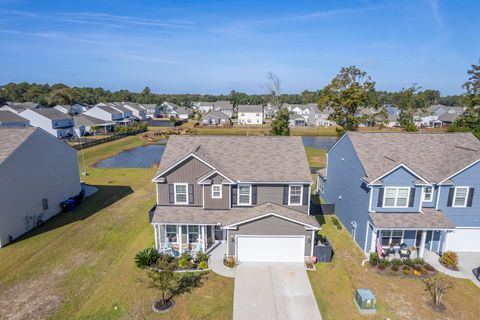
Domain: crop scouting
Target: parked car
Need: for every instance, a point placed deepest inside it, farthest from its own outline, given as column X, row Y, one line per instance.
column 476, row 272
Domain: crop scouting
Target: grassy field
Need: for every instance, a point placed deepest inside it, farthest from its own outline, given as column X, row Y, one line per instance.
column 316, row 157
column 334, row 285
column 79, row 265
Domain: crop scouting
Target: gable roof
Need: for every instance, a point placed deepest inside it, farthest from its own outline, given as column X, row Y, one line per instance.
column 255, row 108
column 12, row 138
column 248, row 158
column 433, row 156
column 108, row 109
column 85, row 120
column 8, row 116
column 52, row 114
column 216, row 114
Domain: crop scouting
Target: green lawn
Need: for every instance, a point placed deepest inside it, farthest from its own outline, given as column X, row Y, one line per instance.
column 79, row 265
column 316, row 157
column 334, row 285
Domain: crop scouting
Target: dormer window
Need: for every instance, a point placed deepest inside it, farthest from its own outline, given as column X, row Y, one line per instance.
column 427, row 194
column 216, row 191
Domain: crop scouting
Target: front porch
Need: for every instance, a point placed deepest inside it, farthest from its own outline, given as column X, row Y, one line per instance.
column 179, row 238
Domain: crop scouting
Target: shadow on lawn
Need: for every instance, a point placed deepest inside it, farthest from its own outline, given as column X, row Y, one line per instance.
column 104, row 197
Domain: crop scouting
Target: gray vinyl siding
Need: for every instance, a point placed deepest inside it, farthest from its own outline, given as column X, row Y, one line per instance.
column 270, row 226
column 187, row 172
column 41, row 168
column 224, row 202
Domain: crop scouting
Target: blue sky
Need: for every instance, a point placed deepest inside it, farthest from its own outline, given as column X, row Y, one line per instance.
column 217, row 46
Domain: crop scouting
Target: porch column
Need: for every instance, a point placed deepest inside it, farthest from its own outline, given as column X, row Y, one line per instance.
column 203, row 238
column 421, row 250
column 155, row 228
column 445, row 241
column 180, row 239
column 373, row 241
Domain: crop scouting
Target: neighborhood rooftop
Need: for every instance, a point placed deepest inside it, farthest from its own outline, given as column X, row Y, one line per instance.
column 433, row 156
column 250, row 108
column 51, row 113
column 7, row 116
column 244, row 158
column 11, row 139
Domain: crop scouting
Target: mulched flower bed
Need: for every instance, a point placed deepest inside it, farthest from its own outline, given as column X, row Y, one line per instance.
column 158, row 307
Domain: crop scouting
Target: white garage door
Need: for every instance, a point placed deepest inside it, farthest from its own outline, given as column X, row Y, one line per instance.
column 270, row 249
column 464, row 240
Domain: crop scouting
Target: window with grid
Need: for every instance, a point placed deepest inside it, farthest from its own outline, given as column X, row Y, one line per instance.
column 181, row 193
column 216, row 191
column 193, row 234
column 427, row 194
column 244, row 195
column 295, row 197
column 171, row 233
column 396, row 197
column 460, row 199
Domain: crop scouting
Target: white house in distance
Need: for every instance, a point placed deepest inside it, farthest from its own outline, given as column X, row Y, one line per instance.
column 225, row 107
column 138, row 111
column 250, row 114
column 75, row 109
column 58, row 124
column 37, row 172
column 12, row 120
column 107, row 113
column 204, row 107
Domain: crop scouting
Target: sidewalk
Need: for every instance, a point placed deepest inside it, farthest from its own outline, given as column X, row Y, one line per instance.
column 463, row 273
column 215, row 261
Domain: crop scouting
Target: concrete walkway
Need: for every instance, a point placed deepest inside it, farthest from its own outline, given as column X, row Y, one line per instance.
column 466, row 262
column 215, row 261
column 273, row 291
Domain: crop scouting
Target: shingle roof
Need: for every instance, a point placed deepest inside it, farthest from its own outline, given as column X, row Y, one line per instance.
column 12, row 138
column 244, row 158
column 119, row 106
column 448, row 117
column 434, row 156
column 84, row 120
column 52, row 113
column 182, row 110
column 430, row 218
column 295, row 116
column 177, row 214
column 216, row 115
column 8, row 116
column 250, row 108
column 108, row 109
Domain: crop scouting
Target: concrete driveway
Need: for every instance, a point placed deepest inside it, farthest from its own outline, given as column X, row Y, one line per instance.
column 467, row 261
column 273, row 291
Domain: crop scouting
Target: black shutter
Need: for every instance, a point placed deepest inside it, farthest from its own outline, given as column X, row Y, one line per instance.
column 234, row 194
column 170, row 193
column 380, row 197
column 254, row 194
column 285, row 195
column 412, row 197
column 450, row 197
column 470, row 197
column 191, row 199
column 305, row 195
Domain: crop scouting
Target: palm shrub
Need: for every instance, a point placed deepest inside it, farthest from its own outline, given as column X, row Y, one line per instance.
column 146, row 258
column 202, row 256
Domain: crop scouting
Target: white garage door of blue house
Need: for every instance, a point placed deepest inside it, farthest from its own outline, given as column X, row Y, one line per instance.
column 270, row 248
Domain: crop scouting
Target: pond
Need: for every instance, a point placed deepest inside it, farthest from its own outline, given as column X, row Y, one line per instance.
column 319, row 142
column 147, row 156
column 139, row 157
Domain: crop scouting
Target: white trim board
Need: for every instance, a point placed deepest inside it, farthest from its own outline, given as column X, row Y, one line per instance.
column 231, row 226
column 406, row 168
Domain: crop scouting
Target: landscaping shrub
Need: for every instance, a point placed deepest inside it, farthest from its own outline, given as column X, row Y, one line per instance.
column 202, row 256
column 203, row 265
column 167, row 261
column 146, row 258
column 229, row 261
column 336, row 223
column 184, row 260
column 396, row 262
column 450, row 260
column 373, row 258
column 418, row 261
column 406, row 271
column 382, row 264
column 408, row 262
column 395, row 268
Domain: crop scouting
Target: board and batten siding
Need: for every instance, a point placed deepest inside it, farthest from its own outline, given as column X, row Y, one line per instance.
column 211, row 203
column 469, row 216
column 43, row 167
column 187, row 172
column 346, row 190
column 270, row 226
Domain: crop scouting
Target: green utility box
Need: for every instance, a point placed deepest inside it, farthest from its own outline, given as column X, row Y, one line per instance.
column 365, row 300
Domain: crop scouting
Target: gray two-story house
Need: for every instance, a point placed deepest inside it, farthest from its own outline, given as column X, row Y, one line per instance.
column 416, row 189
column 57, row 123
column 252, row 193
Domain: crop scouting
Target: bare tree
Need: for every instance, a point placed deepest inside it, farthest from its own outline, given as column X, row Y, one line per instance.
column 437, row 286
column 273, row 90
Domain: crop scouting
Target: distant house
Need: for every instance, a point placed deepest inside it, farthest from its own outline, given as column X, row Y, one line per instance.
column 139, row 112
column 296, row 120
column 18, row 107
column 86, row 124
column 270, row 111
column 226, row 107
column 38, row 173
column 57, row 123
column 10, row 119
column 250, row 114
column 107, row 114
column 447, row 119
column 71, row 109
column 153, row 110
column 204, row 107
column 312, row 114
column 126, row 112
column 183, row 112
column 216, row 118
column 170, row 109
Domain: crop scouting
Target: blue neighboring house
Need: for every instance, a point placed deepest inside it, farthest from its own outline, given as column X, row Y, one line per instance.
column 412, row 188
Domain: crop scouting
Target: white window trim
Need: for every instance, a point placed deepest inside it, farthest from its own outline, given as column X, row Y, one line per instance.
column 213, row 193
column 301, row 194
column 176, row 231
column 423, row 194
column 396, row 197
column 175, row 192
column 249, row 198
column 391, row 236
column 197, row 233
column 466, row 197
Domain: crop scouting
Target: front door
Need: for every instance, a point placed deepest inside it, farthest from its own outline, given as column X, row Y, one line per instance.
column 219, row 234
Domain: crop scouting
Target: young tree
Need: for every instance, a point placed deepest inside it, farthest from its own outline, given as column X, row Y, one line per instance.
column 346, row 94
column 280, row 123
column 470, row 119
column 437, row 286
column 163, row 280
